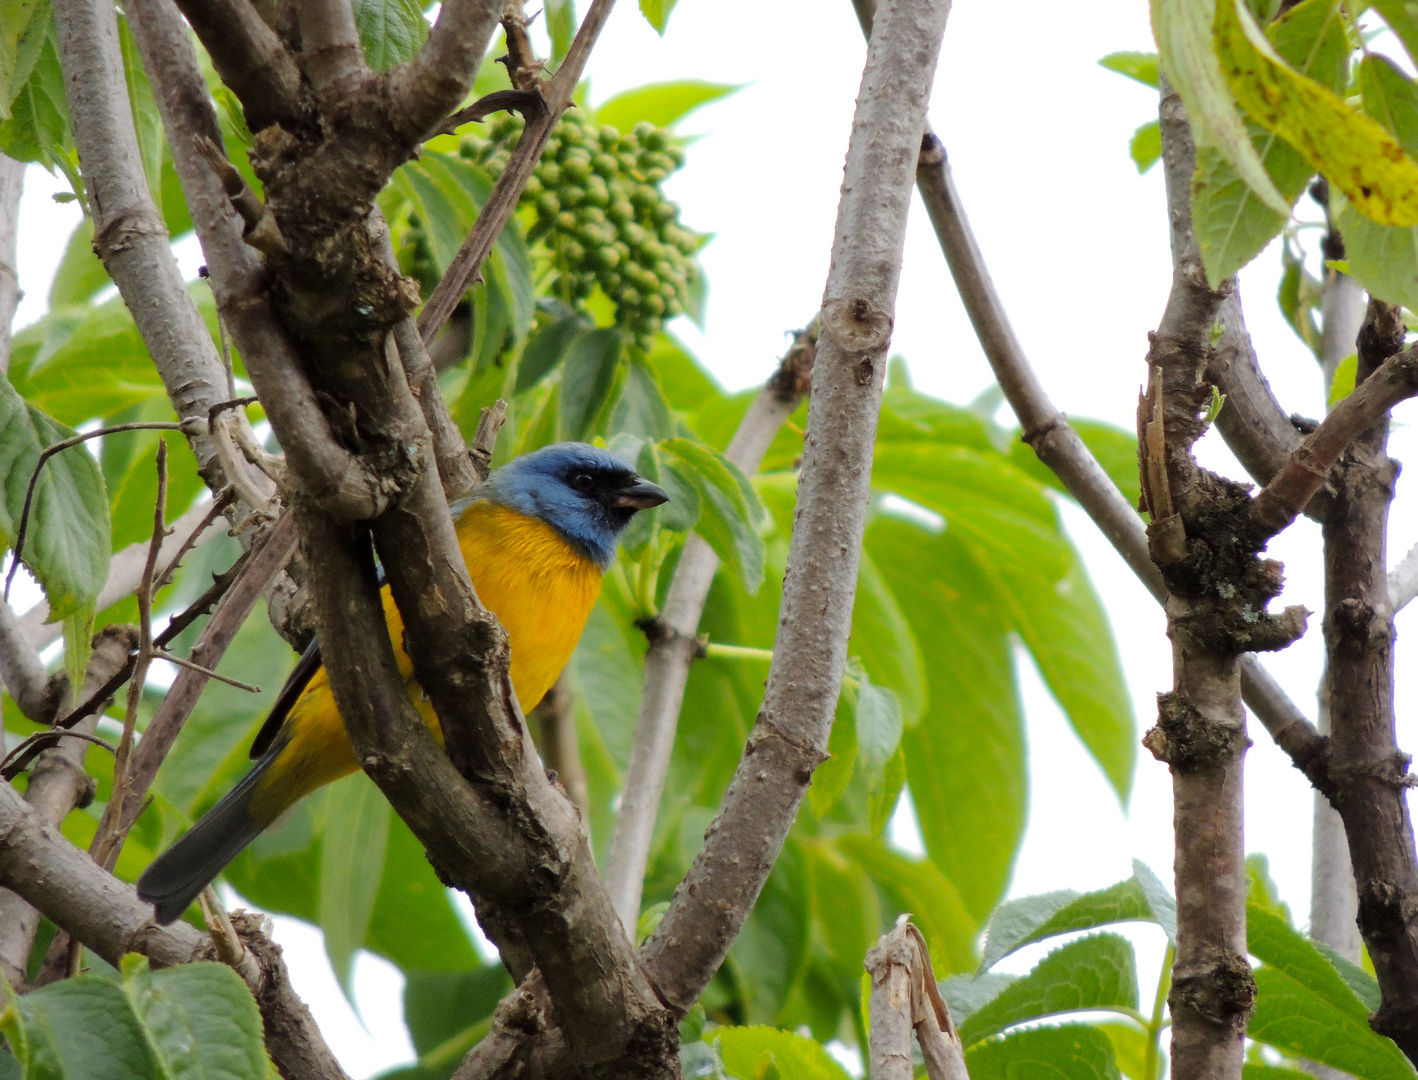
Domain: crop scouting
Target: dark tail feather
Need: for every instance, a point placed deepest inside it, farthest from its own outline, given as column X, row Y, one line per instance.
column 172, row 880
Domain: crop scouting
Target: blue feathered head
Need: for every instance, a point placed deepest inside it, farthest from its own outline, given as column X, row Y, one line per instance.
column 585, row 493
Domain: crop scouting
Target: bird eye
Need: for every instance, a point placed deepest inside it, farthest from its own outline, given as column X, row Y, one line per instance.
column 583, row 482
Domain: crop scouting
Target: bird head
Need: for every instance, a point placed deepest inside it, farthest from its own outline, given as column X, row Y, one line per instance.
column 585, row 493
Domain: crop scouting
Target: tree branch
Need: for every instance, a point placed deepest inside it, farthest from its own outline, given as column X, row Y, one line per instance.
column 267, row 558
column 66, row 886
column 250, row 59
column 58, row 783
column 425, row 91
column 129, row 234
column 338, row 479
column 22, row 672
column 809, row 655
column 1369, row 774
column 672, row 646
column 329, row 44
column 904, row 997
column 1290, row 490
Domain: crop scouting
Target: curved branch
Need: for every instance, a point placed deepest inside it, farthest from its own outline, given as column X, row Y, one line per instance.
column 422, row 93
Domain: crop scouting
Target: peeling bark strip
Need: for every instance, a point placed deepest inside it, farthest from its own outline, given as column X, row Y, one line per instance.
column 904, row 997
column 1368, row 773
column 809, row 651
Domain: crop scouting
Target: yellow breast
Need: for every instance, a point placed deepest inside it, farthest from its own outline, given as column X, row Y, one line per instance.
column 539, row 587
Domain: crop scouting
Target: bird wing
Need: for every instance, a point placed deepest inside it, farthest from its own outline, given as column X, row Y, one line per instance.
column 305, row 670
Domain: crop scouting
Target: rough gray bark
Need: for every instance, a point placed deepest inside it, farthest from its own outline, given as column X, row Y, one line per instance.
column 129, row 233
column 789, row 739
column 673, row 645
column 904, row 998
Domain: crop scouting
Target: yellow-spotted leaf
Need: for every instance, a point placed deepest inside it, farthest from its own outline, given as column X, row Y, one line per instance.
column 1183, row 29
column 1353, row 151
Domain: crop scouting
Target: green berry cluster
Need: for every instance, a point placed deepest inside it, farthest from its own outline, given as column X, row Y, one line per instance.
column 602, row 215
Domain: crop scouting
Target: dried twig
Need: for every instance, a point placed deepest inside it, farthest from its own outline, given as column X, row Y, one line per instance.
column 904, row 997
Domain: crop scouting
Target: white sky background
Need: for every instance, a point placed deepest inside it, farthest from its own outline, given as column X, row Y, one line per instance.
column 1076, row 242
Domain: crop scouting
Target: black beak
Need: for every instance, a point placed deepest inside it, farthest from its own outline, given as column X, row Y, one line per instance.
column 641, row 495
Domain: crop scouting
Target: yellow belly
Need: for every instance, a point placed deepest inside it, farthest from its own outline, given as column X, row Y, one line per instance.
column 541, row 590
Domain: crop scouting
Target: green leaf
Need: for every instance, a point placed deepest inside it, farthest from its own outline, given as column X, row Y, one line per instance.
column 846, row 911
column 1188, row 57
column 1391, row 98
column 1353, row 151
column 1068, row 1052
column 200, row 1020
column 1270, row 1072
column 657, row 12
column 587, row 376
column 641, row 408
column 545, row 349
column 885, row 794
column 1402, row 20
column 1115, row 449
column 967, row 994
column 878, row 723
column 919, row 887
column 770, row 952
column 1232, row 224
column 147, row 121
column 391, row 31
column 1096, row 972
column 744, row 1048
column 1130, row 1049
column 1159, row 899
column 883, row 640
column 67, row 546
column 414, row 923
column 1261, row 889
column 81, row 274
column 15, row 20
column 1383, row 258
column 438, row 1005
column 1145, row 146
column 38, row 126
column 1141, row 66
column 1066, row 630
column 1305, row 1007
column 830, row 779
column 1021, row 922
column 351, row 865
column 730, row 510
column 561, row 27
column 661, row 104
column 82, row 1028
column 965, row 757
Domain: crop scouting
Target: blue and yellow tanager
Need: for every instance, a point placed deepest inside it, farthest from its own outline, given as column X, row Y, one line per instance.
column 536, row 535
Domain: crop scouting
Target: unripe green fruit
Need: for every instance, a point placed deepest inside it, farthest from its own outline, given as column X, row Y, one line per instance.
column 575, row 253
column 630, row 295
column 548, row 205
column 576, row 168
column 620, row 212
column 655, row 304
column 605, row 165
column 626, row 160
column 654, row 140
column 571, row 195
column 596, row 192
column 566, row 221
column 656, row 174
column 676, row 155
column 534, row 187
column 550, row 173
column 607, row 258
column 608, row 137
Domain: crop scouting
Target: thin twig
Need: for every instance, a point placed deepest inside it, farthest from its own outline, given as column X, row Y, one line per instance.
column 217, row 508
column 228, row 944
column 144, row 658
column 42, row 740
column 172, row 658
column 502, row 200
column 47, row 453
